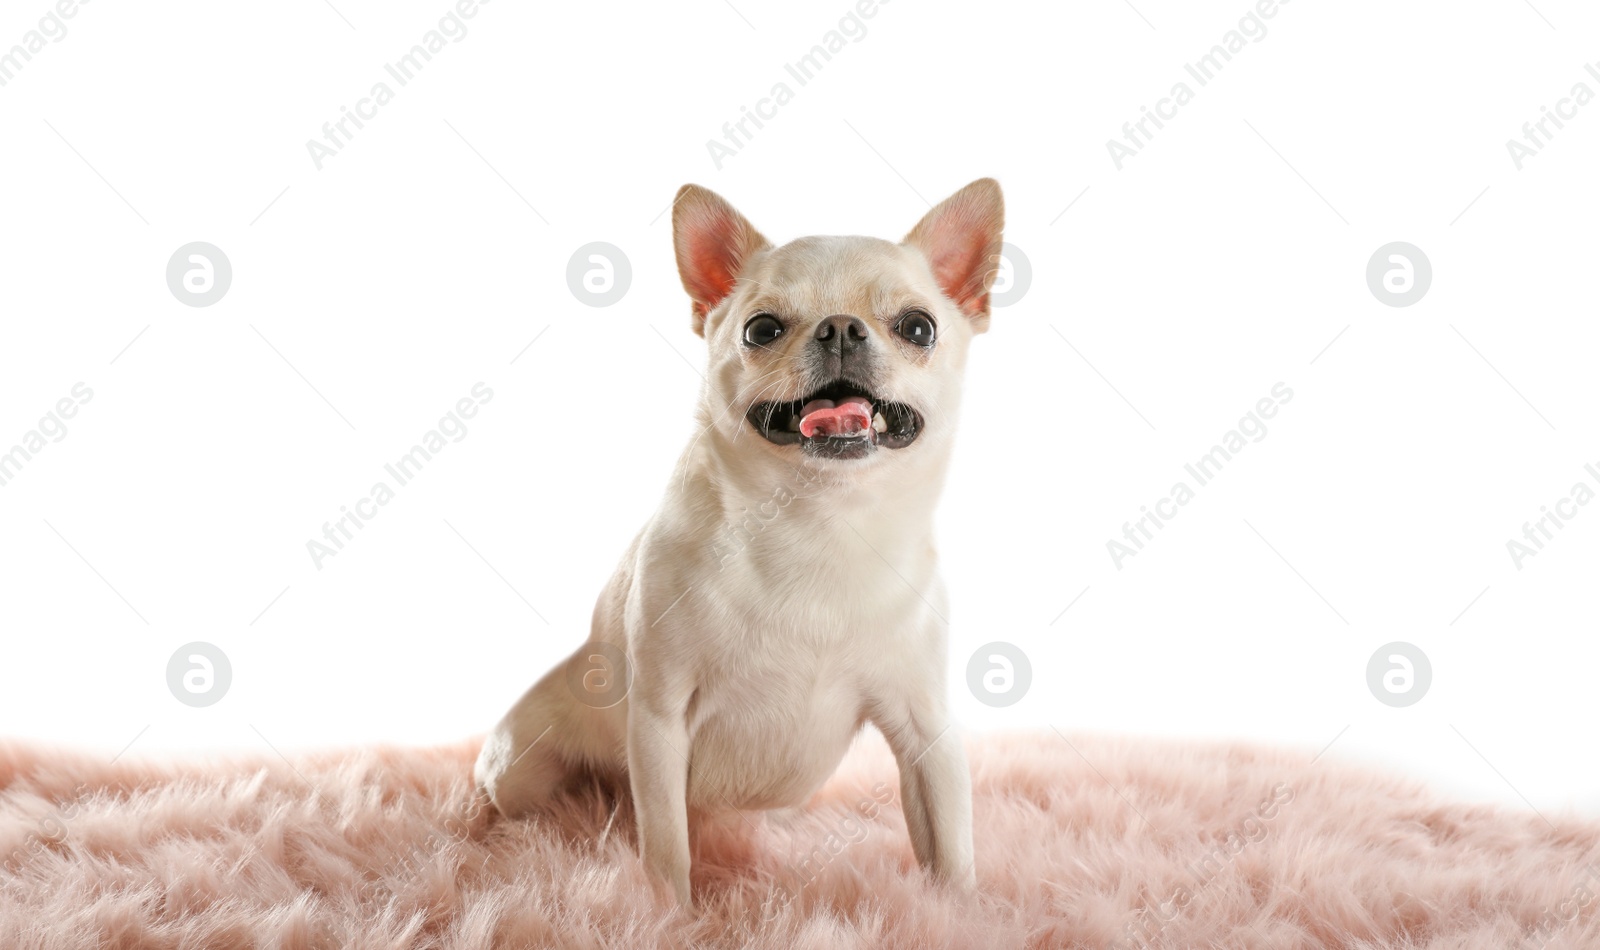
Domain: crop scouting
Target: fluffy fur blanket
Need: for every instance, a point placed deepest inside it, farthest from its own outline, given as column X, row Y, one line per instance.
column 1090, row 843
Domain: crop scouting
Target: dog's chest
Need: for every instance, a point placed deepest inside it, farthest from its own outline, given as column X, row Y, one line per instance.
column 781, row 692
column 769, row 728
column 796, row 634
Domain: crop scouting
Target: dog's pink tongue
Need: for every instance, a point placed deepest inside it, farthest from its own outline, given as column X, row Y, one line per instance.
column 823, row 418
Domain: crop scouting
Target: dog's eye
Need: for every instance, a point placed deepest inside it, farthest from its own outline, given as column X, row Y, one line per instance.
column 762, row 329
column 916, row 327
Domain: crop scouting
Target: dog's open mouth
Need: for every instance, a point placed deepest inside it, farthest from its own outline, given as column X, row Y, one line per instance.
column 840, row 420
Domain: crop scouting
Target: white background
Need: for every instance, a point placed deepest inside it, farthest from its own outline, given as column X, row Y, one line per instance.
column 414, row 264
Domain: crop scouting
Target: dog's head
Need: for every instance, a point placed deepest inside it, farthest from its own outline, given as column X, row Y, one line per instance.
column 838, row 350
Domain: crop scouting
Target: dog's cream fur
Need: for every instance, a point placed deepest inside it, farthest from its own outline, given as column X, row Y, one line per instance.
column 780, row 599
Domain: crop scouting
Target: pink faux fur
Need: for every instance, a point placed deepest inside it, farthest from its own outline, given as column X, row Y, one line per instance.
column 1128, row 844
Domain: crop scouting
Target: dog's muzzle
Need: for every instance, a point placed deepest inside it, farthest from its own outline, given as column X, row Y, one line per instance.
column 840, row 420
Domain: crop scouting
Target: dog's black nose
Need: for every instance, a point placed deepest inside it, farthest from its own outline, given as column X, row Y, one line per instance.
column 849, row 331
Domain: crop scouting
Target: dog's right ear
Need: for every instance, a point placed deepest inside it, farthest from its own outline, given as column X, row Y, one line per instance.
column 713, row 242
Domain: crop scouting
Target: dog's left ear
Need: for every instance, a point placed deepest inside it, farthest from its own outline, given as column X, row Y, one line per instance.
column 961, row 239
column 713, row 242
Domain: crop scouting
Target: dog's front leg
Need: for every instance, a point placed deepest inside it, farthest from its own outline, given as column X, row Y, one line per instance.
column 935, row 792
column 658, row 770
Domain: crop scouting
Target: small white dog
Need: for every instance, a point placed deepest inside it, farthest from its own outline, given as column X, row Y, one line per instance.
column 787, row 591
